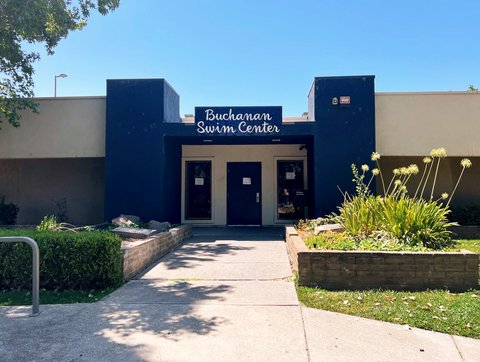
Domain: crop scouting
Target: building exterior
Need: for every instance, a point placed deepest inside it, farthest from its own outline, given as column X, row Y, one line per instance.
column 131, row 152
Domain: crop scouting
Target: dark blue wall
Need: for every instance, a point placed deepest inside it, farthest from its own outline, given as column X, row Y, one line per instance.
column 343, row 135
column 135, row 154
column 144, row 138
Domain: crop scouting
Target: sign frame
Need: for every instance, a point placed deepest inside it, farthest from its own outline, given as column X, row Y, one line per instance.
column 238, row 120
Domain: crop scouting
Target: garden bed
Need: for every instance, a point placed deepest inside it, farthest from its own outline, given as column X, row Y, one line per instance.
column 356, row 270
column 139, row 254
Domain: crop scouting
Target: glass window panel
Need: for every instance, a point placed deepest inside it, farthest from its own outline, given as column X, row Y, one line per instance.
column 198, row 190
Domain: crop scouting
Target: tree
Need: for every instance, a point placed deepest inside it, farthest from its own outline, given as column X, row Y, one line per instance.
column 471, row 88
column 43, row 22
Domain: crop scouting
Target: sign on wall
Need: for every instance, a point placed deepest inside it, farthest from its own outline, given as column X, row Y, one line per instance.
column 238, row 121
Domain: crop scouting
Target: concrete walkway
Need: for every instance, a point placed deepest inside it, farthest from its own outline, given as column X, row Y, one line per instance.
column 223, row 295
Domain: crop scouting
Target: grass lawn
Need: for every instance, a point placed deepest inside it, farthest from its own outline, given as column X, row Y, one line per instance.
column 51, row 297
column 472, row 245
column 438, row 310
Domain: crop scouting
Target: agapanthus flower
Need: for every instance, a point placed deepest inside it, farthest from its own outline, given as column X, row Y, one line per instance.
column 439, row 152
column 396, row 171
column 365, row 168
column 413, row 169
column 403, row 171
column 397, row 182
column 375, row 156
column 444, row 196
column 427, row 160
column 466, row 163
column 375, row 171
column 442, row 152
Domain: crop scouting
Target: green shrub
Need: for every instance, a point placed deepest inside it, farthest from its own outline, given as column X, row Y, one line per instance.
column 8, row 212
column 82, row 260
column 48, row 223
column 413, row 222
column 342, row 241
column 359, row 215
column 330, row 241
column 416, row 221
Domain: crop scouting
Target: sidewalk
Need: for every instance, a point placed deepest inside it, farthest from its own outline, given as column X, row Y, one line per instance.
column 224, row 295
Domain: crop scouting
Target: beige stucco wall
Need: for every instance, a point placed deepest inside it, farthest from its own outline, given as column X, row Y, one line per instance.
column 35, row 185
column 221, row 154
column 468, row 191
column 407, row 124
column 411, row 124
column 64, row 127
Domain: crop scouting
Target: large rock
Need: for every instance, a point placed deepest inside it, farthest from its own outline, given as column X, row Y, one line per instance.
column 126, row 220
column 159, row 226
column 134, row 233
column 336, row 228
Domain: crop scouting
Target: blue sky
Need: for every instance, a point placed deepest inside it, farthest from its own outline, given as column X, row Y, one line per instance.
column 216, row 52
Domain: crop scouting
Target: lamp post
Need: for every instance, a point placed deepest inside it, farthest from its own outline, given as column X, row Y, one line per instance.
column 62, row 75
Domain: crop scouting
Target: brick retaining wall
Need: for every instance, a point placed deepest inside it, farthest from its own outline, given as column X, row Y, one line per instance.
column 140, row 254
column 329, row 269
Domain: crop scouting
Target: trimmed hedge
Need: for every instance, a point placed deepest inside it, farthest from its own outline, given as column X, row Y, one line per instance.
column 68, row 260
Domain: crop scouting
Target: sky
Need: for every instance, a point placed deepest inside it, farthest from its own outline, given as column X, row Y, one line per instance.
column 265, row 52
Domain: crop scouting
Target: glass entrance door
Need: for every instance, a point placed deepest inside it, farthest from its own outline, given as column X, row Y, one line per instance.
column 198, row 190
column 290, row 190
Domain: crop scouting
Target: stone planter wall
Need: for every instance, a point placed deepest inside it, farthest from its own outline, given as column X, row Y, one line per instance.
column 352, row 270
column 140, row 254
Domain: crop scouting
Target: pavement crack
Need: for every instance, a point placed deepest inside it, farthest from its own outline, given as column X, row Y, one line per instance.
column 456, row 346
column 304, row 333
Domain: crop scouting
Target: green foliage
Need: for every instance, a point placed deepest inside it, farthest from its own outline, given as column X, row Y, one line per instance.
column 330, row 241
column 416, row 222
column 400, row 218
column 43, row 22
column 341, row 241
column 68, row 260
column 8, row 212
column 472, row 88
column 358, row 216
column 358, row 178
column 412, row 222
column 308, row 225
column 48, row 223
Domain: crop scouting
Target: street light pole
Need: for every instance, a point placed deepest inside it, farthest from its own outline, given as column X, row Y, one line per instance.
column 62, row 75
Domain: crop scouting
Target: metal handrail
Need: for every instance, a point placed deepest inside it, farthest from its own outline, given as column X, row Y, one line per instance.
column 35, row 268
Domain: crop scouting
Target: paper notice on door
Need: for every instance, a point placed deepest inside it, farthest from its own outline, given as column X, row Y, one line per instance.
column 290, row 175
column 199, row 181
column 246, row 181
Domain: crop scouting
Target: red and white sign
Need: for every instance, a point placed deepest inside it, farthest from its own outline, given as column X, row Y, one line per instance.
column 344, row 99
